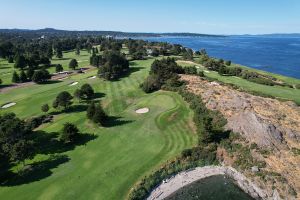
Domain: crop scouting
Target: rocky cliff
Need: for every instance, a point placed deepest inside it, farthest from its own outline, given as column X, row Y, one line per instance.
column 272, row 125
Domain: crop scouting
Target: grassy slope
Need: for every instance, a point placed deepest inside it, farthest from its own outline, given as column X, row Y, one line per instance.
column 284, row 93
column 107, row 167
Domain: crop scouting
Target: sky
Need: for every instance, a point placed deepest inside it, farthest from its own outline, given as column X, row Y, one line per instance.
column 196, row 16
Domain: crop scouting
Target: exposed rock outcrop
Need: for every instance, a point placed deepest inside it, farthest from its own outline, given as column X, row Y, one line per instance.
column 271, row 124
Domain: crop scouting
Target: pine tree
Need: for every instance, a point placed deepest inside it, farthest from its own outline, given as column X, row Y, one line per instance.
column 91, row 111
column 15, row 77
column 99, row 115
column 20, row 62
column 23, row 77
column 29, row 73
column 59, row 53
column 73, row 64
column 69, row 133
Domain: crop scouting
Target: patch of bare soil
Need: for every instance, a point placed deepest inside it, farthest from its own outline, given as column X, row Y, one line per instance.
column 273, row 125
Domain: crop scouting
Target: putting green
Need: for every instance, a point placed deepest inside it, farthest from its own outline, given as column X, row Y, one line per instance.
column 108, row 166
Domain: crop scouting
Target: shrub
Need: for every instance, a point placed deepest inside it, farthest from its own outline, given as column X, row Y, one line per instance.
column 45, row 108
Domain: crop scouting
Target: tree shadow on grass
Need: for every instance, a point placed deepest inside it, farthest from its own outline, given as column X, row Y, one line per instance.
column 77, row 108
column 36, row 171
column 4, row 67
column 99, row 95
column 114, row 121
column 72, row 109
column 49, row 143
column 50, row 82
column 5, row 85
column 61, row 59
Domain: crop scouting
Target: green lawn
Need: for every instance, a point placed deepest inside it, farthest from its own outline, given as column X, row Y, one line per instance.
column 7, row 69
column 120, row 155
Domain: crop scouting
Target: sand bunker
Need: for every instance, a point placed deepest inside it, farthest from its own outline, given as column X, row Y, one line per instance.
column 75, row 83
column 207, row 71
column 142, row 110
column 8, row 105
column 92, row 77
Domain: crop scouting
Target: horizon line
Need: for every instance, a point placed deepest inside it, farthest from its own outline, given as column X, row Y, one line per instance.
column 141, row 32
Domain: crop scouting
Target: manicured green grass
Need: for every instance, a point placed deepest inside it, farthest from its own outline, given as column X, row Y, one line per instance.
column 108, row 166
column 7, row 69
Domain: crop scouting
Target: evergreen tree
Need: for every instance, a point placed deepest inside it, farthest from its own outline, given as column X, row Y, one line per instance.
column 20, row 62
column 15, row 77
column 29, row 73
column 87, row 91
column 10, row 59
column 23, row 77
column 78, row 94
column 77, row 51
column 40, row 76
column 59, row 68
column 96, row 113
column 73, row 64
column 69, row 133
column 91, row 111
column 15, row 140
column 59, row 53
column 50, row 52
column 99, row 116
column 63, row 100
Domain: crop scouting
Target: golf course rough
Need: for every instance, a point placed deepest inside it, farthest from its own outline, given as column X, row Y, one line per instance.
column 108, row 166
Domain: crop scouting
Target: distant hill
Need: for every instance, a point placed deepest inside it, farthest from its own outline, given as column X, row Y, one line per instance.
column 54, row 32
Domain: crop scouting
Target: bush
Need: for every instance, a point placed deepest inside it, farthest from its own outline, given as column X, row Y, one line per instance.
column 190, row 70
column 45, row 108
column 228, row 63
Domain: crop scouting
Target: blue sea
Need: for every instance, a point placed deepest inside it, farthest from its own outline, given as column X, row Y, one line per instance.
column 279, row 54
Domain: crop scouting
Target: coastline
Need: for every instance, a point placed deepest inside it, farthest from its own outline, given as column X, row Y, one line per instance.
column 187, row 177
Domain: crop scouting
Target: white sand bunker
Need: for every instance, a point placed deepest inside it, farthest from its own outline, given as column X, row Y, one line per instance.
column 8, row 105
column 207, row 71
column 75, row 83
column 92, row 77
column 142, row 110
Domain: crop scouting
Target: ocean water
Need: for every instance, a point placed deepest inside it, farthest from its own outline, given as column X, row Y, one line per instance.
column 277, row 54
column 211, row 188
